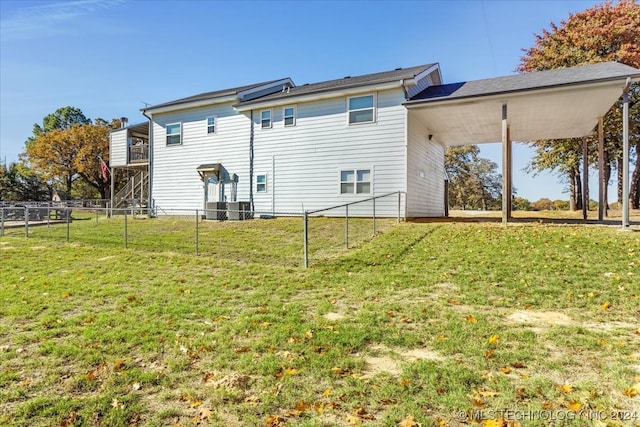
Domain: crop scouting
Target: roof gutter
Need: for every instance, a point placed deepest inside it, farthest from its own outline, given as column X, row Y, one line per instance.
column 189, row 104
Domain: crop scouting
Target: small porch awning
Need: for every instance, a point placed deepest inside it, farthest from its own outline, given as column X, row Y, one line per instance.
column 556, row 104
column 209, row 169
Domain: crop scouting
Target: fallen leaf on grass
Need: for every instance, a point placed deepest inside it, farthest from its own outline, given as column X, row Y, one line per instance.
column 115, row 404
column 605, row 305
column 327, row 392
column 493, row 339
column 633, row 391
column 574, row 406
column 275, row 421
column 136, row 386
column 567, row 388
column 204, row 414
column 408, row 422
column 471, row 319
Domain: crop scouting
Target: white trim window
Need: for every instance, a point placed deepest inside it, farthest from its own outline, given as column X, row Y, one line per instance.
column 211, row 124
column 261, row 183
column 355, row 181
column 174, row 133
column 265, row 119
column 361, row 109
column 289, row 116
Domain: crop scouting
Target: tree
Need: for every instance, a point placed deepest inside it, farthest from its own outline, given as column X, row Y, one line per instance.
column 473, row 180
column 19, row 183
column 606, row 32
column 62, row 118
column 68, row 148
column 521, row 204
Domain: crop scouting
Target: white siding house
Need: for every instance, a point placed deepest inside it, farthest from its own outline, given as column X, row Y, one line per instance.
column 284, row 148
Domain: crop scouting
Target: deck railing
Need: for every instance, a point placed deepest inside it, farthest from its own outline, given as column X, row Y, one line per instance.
column 139, row 153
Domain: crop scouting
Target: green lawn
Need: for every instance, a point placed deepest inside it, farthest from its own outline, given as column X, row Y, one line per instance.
column 425, row 324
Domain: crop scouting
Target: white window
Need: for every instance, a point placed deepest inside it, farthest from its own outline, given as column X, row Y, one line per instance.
column 289, row 114
column 174, row 134
column 265, row 119
column 211, row 124
column 261, row 183
column 355, row 181
column 362, row 109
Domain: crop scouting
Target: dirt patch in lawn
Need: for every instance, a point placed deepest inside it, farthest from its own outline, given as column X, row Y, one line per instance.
column 541, row 318
column 392, row 360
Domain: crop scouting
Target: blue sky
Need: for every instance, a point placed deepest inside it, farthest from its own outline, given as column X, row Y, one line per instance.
column 110, row 57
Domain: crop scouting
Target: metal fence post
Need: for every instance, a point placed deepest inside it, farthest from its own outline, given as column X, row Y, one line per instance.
column 2, row 222
column 26, row 221
column 68, row 216
column 399, row 197
column 346, row 226
column 197, row 232
column 374, row 216
column 126, row 232
column 306, row 240
column 48, row 215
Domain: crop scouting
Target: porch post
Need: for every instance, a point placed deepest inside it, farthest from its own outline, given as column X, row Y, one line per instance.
column 506, row 168
column 111, row 191
column 585, row 177
column 602, row 183
column 625, row 157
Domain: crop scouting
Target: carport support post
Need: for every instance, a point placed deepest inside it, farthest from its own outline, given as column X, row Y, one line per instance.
column 602, row 183
column 625, row 157
column 585, row 177
column 506, row 168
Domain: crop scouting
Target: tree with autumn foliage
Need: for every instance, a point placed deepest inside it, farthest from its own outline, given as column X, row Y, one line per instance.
column 606, row 32
column 68, row 147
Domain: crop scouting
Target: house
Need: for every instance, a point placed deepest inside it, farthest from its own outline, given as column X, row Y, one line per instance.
column 282, row 148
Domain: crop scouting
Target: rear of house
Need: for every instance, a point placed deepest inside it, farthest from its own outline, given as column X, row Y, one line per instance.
column 283, row 148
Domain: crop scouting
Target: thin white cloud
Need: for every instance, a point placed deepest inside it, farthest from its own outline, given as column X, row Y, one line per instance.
column 46, row 20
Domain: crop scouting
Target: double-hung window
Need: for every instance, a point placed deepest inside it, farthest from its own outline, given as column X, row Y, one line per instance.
column 174, row 134
column 265, row 119
column 355, row 181
column 261, row 183
column 362, row 109
column 289, row 114
column 211, row 124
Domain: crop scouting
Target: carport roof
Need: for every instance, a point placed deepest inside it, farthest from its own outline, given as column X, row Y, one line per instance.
column 563, row 103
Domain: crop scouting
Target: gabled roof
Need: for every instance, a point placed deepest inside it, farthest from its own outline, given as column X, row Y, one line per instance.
column 213, row 95
column 604, row 71
column 347, row 82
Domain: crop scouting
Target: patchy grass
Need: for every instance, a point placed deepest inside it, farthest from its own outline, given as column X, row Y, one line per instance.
column 425, row 324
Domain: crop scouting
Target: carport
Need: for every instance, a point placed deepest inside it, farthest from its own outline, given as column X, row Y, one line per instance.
column 555, row 104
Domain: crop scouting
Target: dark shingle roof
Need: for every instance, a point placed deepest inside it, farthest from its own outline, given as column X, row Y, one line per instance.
column 603, row 71
column 346, row 82
column 211, row 95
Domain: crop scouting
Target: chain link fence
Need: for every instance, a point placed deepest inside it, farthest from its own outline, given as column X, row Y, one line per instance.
column 237, row 234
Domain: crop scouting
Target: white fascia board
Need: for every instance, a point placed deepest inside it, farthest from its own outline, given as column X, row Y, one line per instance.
column 192, row 104
column 318, row 95
column 414, row 81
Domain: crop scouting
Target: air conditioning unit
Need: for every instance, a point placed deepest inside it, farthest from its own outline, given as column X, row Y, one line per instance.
column 239, row 211
column 216, row 211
